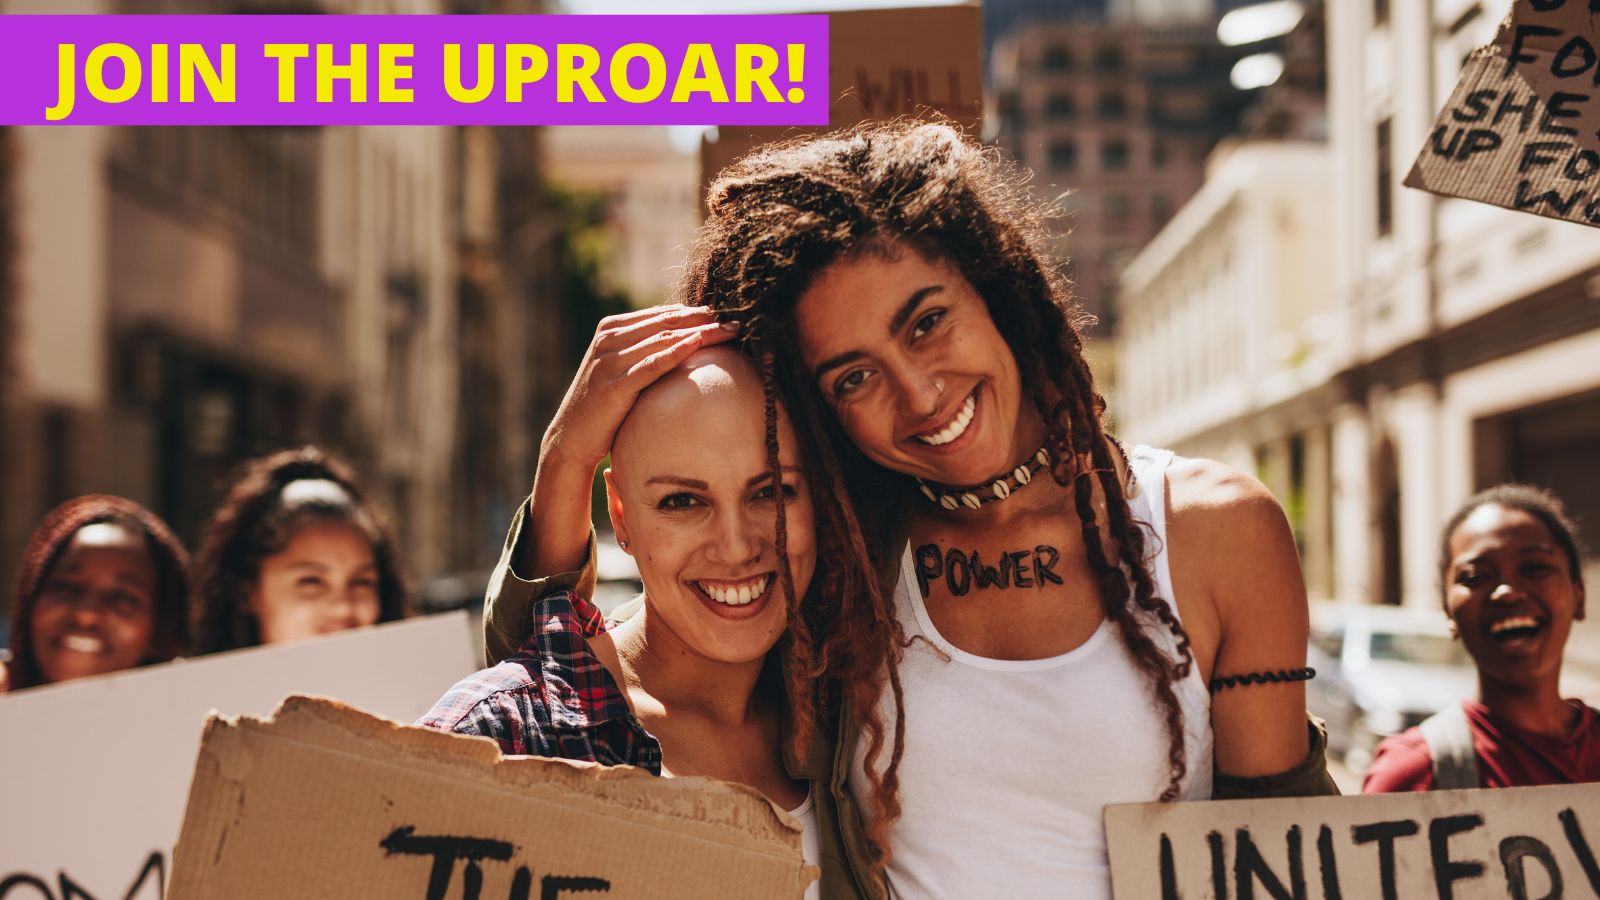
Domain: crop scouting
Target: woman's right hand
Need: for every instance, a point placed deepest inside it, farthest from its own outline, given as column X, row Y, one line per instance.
column 628, row 353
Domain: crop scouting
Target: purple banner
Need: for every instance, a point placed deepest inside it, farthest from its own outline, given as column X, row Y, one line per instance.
column 414, row 70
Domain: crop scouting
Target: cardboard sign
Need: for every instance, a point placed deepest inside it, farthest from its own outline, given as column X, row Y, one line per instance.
column 884, row 64
column 93, row 773
column 1522, row 129
column 327, row 801
column 1515, row 843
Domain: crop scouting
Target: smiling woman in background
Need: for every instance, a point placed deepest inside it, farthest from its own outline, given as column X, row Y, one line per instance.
column 1513, row 586
column 102, row 588
column 293, row 551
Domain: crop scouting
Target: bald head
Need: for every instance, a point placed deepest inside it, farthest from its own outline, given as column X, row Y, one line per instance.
column 713, row 398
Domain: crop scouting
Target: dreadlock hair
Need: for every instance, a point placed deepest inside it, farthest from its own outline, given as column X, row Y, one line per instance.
column 777, row 219
column 1537, row 502
column 50, row 539
column 253, row 522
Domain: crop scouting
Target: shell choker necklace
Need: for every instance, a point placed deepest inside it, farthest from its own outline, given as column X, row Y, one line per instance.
column 1000, row 489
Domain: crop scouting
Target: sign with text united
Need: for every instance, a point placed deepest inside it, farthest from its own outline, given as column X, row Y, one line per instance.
column 1522, row 129
column 1536, row 843
column 414, row 70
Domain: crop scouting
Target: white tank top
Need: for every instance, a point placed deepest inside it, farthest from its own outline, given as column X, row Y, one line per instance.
column 1009, row 763
column 810, row 843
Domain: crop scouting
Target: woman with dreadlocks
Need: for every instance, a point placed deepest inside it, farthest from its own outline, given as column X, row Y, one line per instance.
column 1020, row 622
column 102, row 589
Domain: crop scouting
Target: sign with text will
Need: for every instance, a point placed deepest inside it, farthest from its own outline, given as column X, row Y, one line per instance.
column 1522, row 129
column 1511, row 844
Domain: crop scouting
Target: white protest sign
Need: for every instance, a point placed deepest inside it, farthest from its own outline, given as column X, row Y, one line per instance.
column 1534, row 843
column 94, row 773
column 1520, row 130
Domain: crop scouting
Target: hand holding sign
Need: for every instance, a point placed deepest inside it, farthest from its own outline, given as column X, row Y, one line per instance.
column 1522, row 129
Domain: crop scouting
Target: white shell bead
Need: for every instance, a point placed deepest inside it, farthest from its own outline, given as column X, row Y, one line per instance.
column 948, row 502
column 1022, row 475
column 928, row 492
column 1133, row 489
column 971, row 500
column 1000, row 490
column 1043, row 457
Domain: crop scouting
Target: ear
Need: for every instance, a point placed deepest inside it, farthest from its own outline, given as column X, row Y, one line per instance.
column 1578, row 611
column 619, row 522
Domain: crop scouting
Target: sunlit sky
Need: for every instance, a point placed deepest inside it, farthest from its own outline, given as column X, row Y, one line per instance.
column 707, row 7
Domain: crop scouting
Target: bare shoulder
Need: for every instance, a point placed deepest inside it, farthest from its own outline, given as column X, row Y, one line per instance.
column 1209, row 494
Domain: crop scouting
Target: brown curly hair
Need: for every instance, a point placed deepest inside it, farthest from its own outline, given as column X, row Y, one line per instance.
column 171, row 629
column 776, row 220
column 252, row 523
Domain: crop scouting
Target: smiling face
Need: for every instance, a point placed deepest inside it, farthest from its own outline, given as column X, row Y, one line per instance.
column 96, row 608
column 692, row 497
column 1511, row 595
column 904, row 350
column 325, row 579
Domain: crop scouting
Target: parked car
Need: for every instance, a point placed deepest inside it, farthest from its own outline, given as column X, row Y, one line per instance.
column 1381, row 670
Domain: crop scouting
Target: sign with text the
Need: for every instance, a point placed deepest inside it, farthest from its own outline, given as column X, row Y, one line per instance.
column 1537, row 843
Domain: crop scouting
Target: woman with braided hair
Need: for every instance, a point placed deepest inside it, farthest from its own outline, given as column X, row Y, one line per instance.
column 103, row 588
column 1018, row 621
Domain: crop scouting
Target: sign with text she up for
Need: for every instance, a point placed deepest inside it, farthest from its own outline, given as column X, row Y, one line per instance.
column 94, row 772
column 1522, row 128
column 1536, row 843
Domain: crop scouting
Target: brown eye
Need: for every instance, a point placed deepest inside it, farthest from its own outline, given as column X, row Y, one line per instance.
column 926, row 323
column 678, row 501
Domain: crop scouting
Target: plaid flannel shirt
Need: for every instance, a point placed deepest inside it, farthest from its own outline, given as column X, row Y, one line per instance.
column 553, row 697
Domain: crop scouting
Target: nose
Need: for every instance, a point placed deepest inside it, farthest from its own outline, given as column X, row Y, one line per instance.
column 342, row 610
column 1504, row 593
column 918, row 393
column 738, row 540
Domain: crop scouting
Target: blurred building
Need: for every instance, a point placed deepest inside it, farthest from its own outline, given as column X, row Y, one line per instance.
column 178, row 300
column 651, row 190
column 1115, row 116
column 1432, row 348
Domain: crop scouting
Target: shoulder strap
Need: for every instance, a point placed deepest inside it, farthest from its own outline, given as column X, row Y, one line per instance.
column 1449, row 737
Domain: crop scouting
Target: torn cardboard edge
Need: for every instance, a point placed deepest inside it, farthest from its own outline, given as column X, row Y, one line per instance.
column 1522, row 127
column 265, row 791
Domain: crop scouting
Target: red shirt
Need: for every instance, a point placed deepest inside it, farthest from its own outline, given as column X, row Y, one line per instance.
column 1507, row 755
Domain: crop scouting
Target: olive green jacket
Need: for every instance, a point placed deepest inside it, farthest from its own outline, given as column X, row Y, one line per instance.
column 846, row 856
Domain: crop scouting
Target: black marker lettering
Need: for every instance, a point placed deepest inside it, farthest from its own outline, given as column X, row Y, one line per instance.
column 1591, row 213
column 1042, row 567
column 1576, row 45
column 1385, row 834
column 1547, row 6
column 1328, row 865
column 1580, row 848
column 22, row 880
column 1020, row 560
column 1537, row 154
column 1591, row 165
column 551, row 886
column 1446, row 871
column 1439, row 147
column 1248, row 867
column 445, row 851
column 1219, row 867
column 951, row 560
column 1478, row 140
column 1513, row 853
column 1516, row 55
column 930, row 565
column 1526, row 110
column 521, row 884
column 1169, row 872
column 1478, row 102
column 988, row 576
column 1557, row 109
column 1563, row 206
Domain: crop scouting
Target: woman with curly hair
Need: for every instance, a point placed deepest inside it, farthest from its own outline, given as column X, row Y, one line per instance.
column 1018, row 622
column 295, row 550
column 102, row 588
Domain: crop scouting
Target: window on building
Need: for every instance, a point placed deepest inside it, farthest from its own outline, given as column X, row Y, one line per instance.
column 1385, row 183
column 1116, row 207
column 1060, row 106
column 1057, row 59
column 1108, row 59
column 1158, row 155
column 1160, row 207
column 1114, row 155
column 1112, row 105
column 1380, row 12
column 1063, row 156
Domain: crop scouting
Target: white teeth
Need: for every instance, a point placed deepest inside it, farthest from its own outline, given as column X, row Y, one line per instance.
column 1514, row 622
column 736, row 596
column 957, row 426
column 82, row 644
